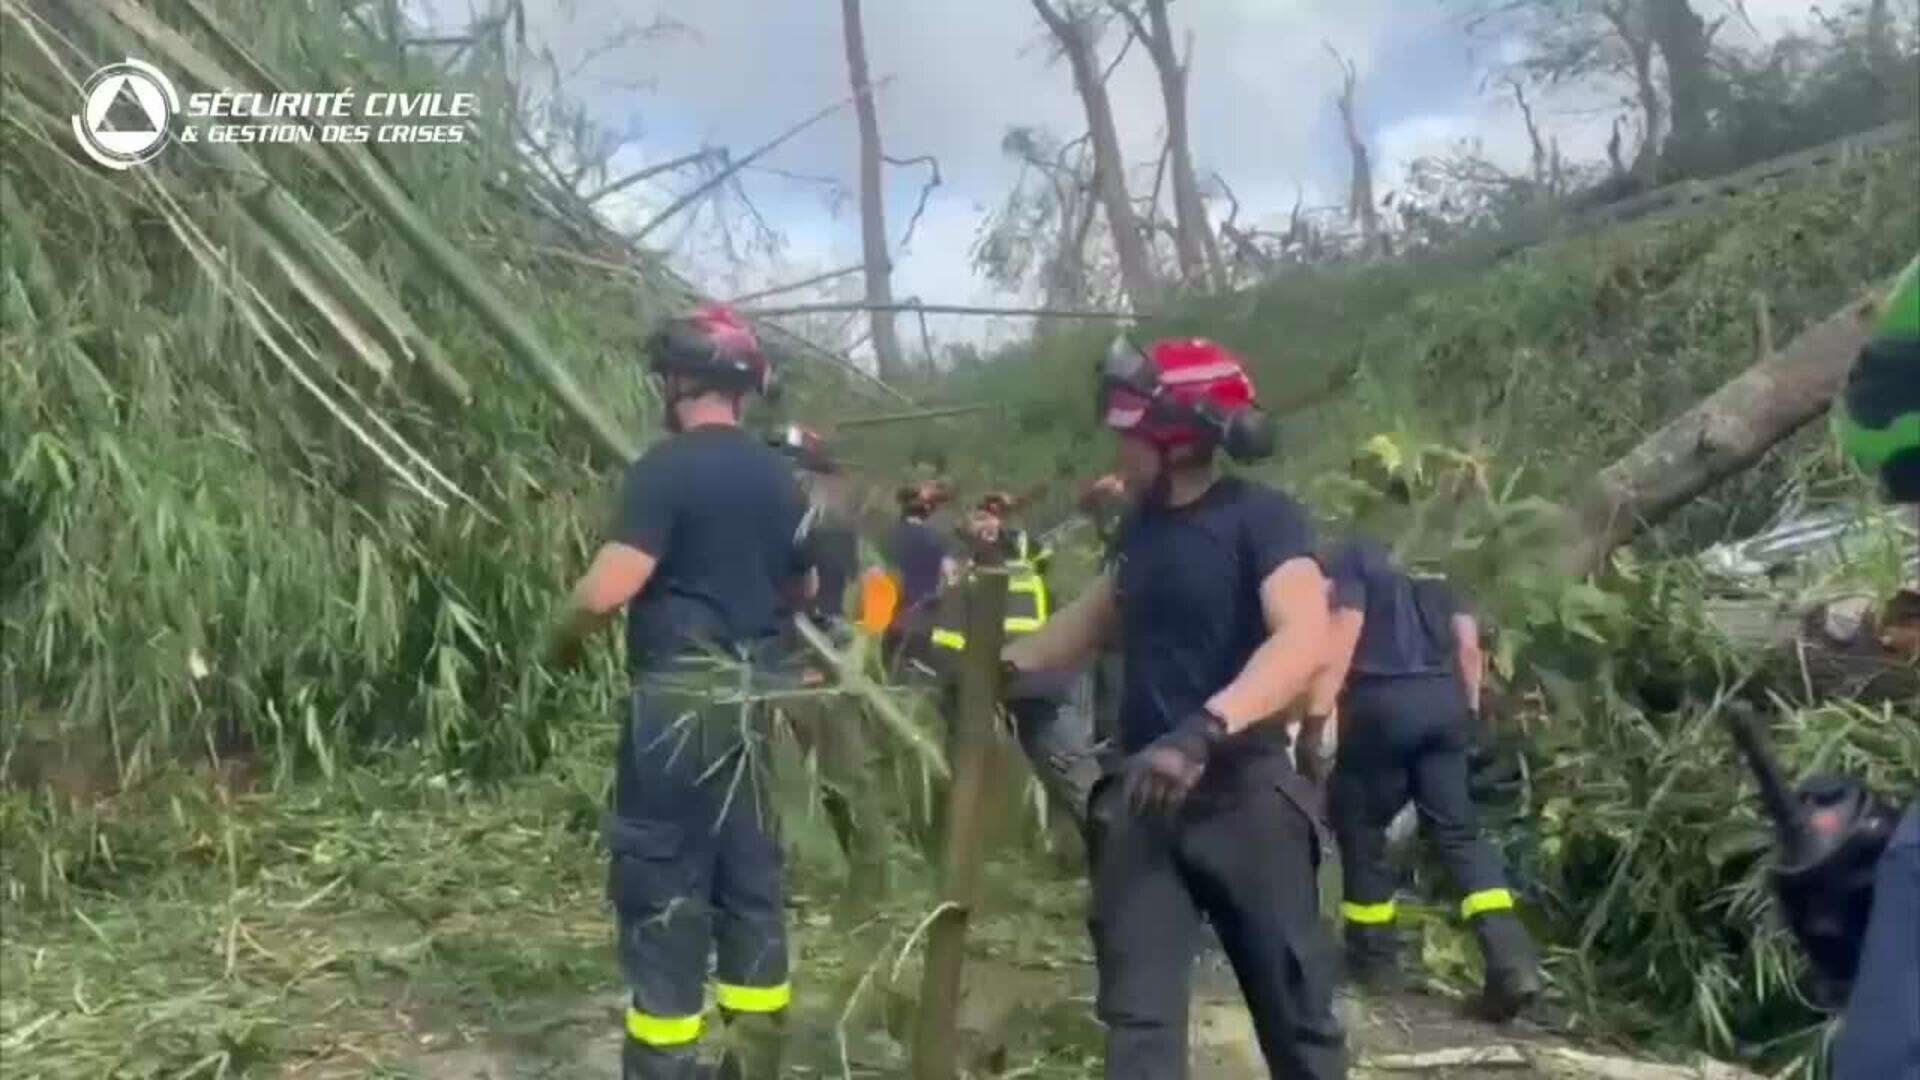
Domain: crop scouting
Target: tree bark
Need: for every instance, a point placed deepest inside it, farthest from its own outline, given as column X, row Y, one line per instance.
column 873, row 214
column 1717, row 438
column 1076, row 37
column 1189, row 214
column 1620, row 14
column 1682, row 38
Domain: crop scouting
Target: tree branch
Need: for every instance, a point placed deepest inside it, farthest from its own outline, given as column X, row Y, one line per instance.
column 756, row 154
column 926, row 190
column 939, row 309
column 652, row 170
column 796, row 285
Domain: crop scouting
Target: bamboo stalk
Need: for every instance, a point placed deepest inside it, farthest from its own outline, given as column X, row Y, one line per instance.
column 269, row 205
column 936, row 1047
column 367, row 178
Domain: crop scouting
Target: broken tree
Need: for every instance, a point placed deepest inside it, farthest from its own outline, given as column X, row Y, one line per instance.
column 1191, row 237
column 1077, row 30
column 873, row 216
column 1715, row 439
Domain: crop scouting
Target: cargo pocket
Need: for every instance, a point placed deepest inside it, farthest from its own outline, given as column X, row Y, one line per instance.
column 647, row 870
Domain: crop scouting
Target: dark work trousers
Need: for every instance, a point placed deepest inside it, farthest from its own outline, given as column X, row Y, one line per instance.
column 1243, row 853
column 696, row 875
column 1400, row 739
column 1880, row 1035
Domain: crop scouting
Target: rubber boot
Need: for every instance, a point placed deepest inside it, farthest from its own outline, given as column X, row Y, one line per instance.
column 1513, row 970
column 754, row 1045
column 1373, row 957
column 638, row 1061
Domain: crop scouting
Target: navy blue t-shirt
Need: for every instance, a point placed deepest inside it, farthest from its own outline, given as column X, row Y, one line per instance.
column 1408, row 628
column 723, row 515
column 915, row 551
column 1188, row 583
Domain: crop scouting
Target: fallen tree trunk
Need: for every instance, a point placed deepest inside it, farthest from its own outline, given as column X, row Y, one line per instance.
column 1717, row 438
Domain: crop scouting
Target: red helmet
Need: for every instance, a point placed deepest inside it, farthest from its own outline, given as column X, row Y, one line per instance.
column 1183, row 391
column 997, row 503
column 714, row 345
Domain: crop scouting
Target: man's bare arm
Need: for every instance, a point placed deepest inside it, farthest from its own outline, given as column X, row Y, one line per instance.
column 1471, row 657
column 1071, row 637
column 617, row 575
column 1343, row 638
column 1294, row 598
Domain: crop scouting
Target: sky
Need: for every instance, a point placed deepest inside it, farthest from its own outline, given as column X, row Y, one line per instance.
column 964, row 71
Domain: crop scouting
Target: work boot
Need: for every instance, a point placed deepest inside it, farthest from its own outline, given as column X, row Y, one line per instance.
column 754, row 1044
column 638, row 1061
column 1513, row 971
column 1373, row 957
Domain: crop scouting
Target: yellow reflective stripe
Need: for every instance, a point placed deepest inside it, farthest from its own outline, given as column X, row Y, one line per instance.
column 664, row 1030
column 1368, row 914
column 949, row 639
column 1017, row 625
column 1484, row 901
column 753, row 999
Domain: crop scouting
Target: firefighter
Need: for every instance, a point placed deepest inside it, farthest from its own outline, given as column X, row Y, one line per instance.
column 831, row 727
column 1213, row 592
column 1049, row 719
column 1404, row 665
column 707, row 552
column 1880, row 428
column 922, row 561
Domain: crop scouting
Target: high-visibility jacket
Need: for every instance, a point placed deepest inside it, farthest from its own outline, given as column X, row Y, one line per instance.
column 1027, row 608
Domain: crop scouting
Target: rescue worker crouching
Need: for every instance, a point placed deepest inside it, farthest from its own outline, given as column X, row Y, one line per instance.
column 707, row 552
column 1215, row 597
column 1053, row 727
column 1404, row 662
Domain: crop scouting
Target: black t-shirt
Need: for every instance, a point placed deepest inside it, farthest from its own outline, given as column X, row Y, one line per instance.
column 916, row 551
column 1188, row 582
column 723, row 515
column 1409, row 624
column 836, row 556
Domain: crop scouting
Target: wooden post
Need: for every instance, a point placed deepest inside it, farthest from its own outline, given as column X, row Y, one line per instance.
column 936, row 1044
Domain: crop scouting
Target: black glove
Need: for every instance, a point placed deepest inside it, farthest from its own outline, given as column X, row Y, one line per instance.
column 1159, row 776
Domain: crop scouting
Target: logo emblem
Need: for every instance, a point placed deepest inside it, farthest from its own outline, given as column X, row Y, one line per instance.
column 126, row 114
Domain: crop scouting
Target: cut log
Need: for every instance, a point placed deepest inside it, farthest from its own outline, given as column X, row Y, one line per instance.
column 1717, row 438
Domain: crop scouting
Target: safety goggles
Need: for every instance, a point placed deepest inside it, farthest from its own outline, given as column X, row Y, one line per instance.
column 1129, row 390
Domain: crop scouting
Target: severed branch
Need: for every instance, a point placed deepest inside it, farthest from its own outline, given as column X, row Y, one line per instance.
column 756, row 154
column 926, row 190
column 938, row 309
column 792, row 286
column 633, row 178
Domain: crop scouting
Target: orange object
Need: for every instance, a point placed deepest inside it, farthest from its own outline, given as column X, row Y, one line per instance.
column 879, row 601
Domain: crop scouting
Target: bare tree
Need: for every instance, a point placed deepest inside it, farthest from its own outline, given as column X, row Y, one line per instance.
column 1041, row 232
column 1189, row 213
column 1360, row 204
column 873, row 214
column 1684, row 39
column 1076, row 29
